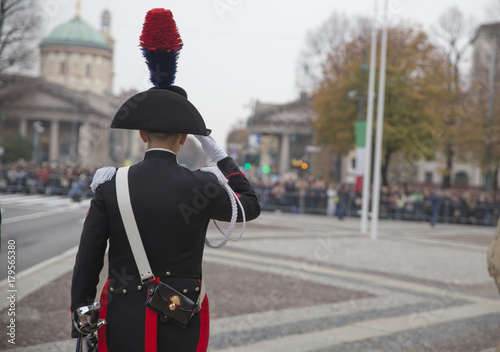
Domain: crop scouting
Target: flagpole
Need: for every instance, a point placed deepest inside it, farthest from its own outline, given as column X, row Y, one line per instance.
column 380, row 126
column 369, row 126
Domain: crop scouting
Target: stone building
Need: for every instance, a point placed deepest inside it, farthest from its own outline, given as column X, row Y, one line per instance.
column 279, row 132
column 282, row 136
column 67, row 110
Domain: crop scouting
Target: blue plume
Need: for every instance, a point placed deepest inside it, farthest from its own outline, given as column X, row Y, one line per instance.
column 162, row 66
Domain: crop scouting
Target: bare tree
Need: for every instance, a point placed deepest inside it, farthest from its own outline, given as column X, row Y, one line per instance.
column 454, row 34
column 19, row 28
column 324, row 42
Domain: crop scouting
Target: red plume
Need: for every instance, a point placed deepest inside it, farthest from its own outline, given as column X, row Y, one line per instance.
column 160, row 32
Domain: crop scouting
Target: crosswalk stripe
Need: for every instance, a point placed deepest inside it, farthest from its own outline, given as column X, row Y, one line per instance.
column 52, row 201
column 54, row 205
column 19, row 199
column 40, row 214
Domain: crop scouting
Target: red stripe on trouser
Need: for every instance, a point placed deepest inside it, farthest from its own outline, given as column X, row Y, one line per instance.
column 151, row 328
column 103, row 311
column 204, row 326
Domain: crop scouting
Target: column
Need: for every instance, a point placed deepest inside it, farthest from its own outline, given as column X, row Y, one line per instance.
column 23, row 128
column 54, row 141
column 84, row 145
column 284, row 153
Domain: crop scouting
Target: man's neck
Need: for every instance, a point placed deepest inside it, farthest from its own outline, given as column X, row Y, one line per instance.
column 172, row 148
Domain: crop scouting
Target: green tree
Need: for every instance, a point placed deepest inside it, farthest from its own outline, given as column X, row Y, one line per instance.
column 17, row 148
column 414, row 90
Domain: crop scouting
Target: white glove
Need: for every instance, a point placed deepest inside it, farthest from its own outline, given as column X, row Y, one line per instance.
column 211, row 149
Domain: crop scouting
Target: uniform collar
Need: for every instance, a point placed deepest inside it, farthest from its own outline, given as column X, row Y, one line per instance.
column 163, row 149
column 162, row 153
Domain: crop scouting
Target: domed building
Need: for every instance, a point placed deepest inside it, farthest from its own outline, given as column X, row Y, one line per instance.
column 79, row 57
column 68, row 109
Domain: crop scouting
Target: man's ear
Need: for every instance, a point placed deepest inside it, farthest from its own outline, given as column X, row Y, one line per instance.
column 143, row 136
column 183, row 138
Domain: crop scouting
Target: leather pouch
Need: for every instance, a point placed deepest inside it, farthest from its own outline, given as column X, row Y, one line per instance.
column 171, row 305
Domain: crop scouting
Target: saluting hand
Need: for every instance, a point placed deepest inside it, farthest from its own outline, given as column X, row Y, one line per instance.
column 211, row 149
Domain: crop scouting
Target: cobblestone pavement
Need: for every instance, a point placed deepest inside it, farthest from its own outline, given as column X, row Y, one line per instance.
column 302, row 283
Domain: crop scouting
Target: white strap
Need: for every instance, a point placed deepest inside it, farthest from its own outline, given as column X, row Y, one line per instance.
column 134, row 238
column 128, row 218
column 201, row 297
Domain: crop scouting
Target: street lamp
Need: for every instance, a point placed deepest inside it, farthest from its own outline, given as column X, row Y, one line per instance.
column 489, row 174
column 38, row 128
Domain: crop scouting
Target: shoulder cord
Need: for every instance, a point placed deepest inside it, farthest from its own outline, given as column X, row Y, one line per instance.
column 233, row 198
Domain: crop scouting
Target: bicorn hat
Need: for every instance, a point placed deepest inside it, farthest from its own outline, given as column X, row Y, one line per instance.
column 160, row 110
column 165, row 107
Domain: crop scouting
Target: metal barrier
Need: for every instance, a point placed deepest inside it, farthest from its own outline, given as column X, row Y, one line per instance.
column 316, row 202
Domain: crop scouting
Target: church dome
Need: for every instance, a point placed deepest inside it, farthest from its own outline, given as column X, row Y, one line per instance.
column 76, row 33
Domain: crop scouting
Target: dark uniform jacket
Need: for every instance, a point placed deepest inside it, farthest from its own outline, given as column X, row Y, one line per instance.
column 172, row 207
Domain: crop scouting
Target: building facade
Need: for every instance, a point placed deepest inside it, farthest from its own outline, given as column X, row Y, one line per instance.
column 67, row 110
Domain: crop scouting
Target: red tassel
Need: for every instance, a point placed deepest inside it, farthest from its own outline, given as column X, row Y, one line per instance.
column 160, row 32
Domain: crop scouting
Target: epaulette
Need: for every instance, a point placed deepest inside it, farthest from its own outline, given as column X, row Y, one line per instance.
column 102, row 175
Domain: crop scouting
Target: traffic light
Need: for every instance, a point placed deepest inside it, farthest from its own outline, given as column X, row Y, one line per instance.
column 300, row 164
column 266, row 169
column 250, row 160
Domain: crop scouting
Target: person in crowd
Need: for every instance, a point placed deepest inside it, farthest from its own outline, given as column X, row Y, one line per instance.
column 436, row 201
column 343, row 195
column 332, row 199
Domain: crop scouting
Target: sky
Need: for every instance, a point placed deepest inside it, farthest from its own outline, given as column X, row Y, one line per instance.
column 236, row 51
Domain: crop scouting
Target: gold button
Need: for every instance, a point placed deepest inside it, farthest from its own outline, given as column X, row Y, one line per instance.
column 111, row 289
column 185, row 290
column 124, row 291
column 168, row 273
column 197, row 289
column 139, row 287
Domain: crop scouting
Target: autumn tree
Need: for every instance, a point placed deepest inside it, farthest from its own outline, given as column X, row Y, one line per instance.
column 19, row 30
column 413, row 97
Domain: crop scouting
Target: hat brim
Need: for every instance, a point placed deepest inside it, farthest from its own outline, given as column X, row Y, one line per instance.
column 160, row 110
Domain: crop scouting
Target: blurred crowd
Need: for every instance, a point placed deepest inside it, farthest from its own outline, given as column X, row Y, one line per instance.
column 296, row 196
column 47, row 178
column 397, row 203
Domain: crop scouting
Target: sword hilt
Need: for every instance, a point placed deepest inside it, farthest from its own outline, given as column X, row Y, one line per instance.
column 86, row 319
